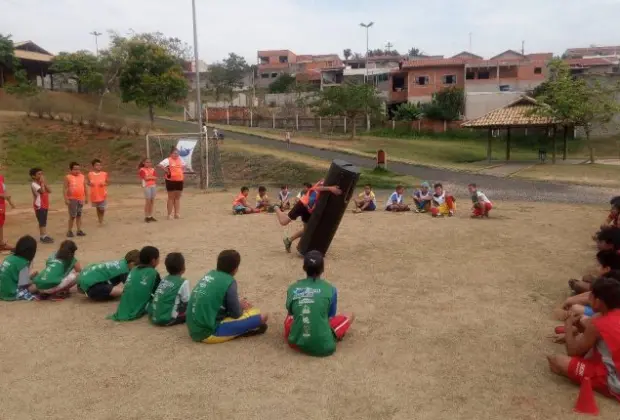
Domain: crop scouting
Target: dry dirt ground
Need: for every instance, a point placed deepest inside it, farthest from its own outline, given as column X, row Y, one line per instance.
column 452, row 320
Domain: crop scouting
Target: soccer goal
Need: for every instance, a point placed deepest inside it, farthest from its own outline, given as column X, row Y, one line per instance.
column 201, row 156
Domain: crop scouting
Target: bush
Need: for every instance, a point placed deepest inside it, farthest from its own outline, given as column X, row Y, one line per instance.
column 407, row 112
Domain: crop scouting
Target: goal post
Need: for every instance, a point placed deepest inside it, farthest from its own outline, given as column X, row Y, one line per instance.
column 200, row 154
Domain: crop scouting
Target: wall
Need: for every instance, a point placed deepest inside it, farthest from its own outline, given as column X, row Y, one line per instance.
column 479, row 103
column 285, row 99
column 435, row 83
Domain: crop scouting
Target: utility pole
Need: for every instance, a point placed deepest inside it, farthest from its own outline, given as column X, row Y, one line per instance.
column 388, row 47
column 522, row 47
column 367, row 26
column 470, row 50
column 96, row 35
column 204, row 180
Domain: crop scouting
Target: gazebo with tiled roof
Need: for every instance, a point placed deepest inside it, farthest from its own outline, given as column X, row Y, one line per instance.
column 517, row 114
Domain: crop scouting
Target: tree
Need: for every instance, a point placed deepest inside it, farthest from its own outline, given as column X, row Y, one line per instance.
column 282, row 84
column 347, row 53
column 407, row 112
column 22, row 87
column 576, row 101
column 151, row 77
column 175, row 47
column 447, row 105
column 111, row 63
column 217, row 77
column 414, row 52
column 348, row 100
column 7, row 56
column 83, row 66
column 236, row 69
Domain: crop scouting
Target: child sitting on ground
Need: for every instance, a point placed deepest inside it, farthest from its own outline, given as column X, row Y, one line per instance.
column 215, row 314
column 141, row 283
column 366, row 200
column 608, row 260
column 284, row 198
column 302, row 192
column 481, row 204
column 171, row 297
column 106, row 281
column 313, row 325
column 240, row 203
column 15, row 273
column 612, row 217
column 422, row 198
column 262, row 200
column 594, row 352
column 395, row 202
column 442, row 203
column 60, row 273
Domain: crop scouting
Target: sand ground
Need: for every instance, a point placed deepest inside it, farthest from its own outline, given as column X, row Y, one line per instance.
column 452, row 320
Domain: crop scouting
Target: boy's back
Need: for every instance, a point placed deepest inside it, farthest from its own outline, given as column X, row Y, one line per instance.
column 205, row 303
column 139, row 287
column 310, row 301
column 101, row 272
column 172, row 291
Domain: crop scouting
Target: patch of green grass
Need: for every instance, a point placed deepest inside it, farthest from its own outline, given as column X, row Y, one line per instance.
column 382, row 179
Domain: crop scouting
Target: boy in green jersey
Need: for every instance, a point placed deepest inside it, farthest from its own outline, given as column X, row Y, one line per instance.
column 139, row 287
column 312, row 325
column 15, row 273
column 106, row 281
column 214, row 313
column 171, row 297
column 60, row 273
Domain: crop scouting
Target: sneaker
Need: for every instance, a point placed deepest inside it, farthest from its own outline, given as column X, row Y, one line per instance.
column 260, row 330
column 287, row 244
column 147, row 219
column 153, row 219
column 47, row 240
column 80, row 233
column 70, row 234
column 417, row 210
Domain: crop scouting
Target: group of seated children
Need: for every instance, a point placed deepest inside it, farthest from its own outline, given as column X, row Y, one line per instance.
column 263, row 203
column 591, row 329
column 213, row 311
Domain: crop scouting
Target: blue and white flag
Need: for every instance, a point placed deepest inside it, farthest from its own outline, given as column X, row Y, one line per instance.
column 186, row 150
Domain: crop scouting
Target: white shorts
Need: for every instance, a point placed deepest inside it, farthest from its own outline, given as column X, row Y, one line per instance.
column 149, row 192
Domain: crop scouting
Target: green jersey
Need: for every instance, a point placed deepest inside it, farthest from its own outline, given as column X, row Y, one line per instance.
column 139, row 287
column 101, row 273
column 171, row 296
column 9, row 276
column 205, row 302
column 55, row 270
column 309, row 302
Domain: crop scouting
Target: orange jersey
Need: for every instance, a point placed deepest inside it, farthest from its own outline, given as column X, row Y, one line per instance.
column 240, row 200
column 98, row 186
column 312, row 196
column 175, row 169
column 75, row 187
column 147, row 173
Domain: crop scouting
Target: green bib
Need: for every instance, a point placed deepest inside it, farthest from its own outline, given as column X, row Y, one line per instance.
column 9, row 276
column 139, row 288
column 55, row 270
column 165, row 299
column 309, row 301
column 205, row 302
column 101, row 273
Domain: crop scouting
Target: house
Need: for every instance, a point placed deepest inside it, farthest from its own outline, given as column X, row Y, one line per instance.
column 592, row 51
column 593, row 60
column 273, row 63
column 35, row 61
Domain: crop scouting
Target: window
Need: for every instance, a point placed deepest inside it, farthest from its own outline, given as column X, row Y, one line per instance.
column 470, row 75
column 264, row 75
column 330, row 64
column 382, row 78
column 274, row 75
column 283, row 59
column 421, row 80
column 449, row 79
column 264, row 60
column 538, row 70
column 484, row 74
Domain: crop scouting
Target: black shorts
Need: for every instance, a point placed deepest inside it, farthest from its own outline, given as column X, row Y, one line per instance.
column 41, row 217
column 299, row 210
column 174, row 185
column 100, row 292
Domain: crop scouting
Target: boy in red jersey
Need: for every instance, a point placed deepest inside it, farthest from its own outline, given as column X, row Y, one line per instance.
column 4, row 198
column 41, row 202
column 593, row 346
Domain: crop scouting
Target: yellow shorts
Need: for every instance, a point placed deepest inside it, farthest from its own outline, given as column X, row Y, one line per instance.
column 231, row 328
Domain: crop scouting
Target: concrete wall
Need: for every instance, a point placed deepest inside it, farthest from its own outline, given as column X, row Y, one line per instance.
column 479, row 103
column 285, row 99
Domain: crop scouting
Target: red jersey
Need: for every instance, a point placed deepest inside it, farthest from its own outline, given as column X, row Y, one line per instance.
column 607, row 350
column 40, row 197
column 2, row 191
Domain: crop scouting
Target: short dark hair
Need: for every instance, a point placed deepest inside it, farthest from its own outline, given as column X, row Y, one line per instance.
column 244, row 189
column 608, row 290
column 66, row 251
column 399, row 187
column 132, row 256
column 473, row 185
column 613, row 274
column 368, row 185
column 228, row 261
column 283, row 187
column 26, row 248
column 307, row 185
column 175, row 263
column 148, row 254
column 609, row 259
column 262, row 189
column 615, row 202
column 173, row 149
column 73, row 165
column 314, row 265
column 610, row 236
column 34, row 171
column 95, row 161
column 439, row 184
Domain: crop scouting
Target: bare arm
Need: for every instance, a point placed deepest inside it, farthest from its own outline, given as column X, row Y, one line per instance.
column 85, row 191
column 77, row 267
column 581, row 344
column 65, row 190
column 582, row 299
column 334, row 189
column 44, row 186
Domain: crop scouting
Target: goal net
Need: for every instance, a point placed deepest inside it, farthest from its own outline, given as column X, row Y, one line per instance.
column 201, row 156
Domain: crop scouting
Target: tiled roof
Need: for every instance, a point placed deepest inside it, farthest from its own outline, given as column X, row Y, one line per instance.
column 434, row 63
column 516, row 114
column 466, row 55
column 588, row 62
column 595, row 50
column 33, row 56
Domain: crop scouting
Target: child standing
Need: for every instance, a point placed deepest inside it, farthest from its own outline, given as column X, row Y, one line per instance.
column 312, row 324
column 4, row 198
column 215, row 314
column 75, row 192
column 262, row 199
column 240, row 203
column 481, row 204
column 366, row 200
column 149, row 183
column 98, row 182
column 41, row 202
column 60, row 272
column 106, row 281
column 284, row 198
column 422, row 198
column 139, row 287
column 395, row 202
column 171, row 297
column 442, row 203
column 15, row 276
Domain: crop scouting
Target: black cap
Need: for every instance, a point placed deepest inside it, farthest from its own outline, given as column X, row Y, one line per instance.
column 313, row 261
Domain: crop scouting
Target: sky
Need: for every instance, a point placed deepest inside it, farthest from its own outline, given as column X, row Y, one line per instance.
column 440, row 27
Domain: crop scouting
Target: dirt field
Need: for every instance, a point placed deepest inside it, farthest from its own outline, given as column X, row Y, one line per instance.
column 450, row 328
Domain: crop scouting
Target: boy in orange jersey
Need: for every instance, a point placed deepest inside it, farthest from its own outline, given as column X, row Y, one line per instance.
column 98, row 183
column 76, row 195
column 241, row 205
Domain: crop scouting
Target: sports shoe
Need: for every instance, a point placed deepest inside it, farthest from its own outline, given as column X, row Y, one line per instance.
column 147, row 219
column 287, row 244
column 153, row 219
column 80, row 233
column 70, row 234
column 46, row 240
